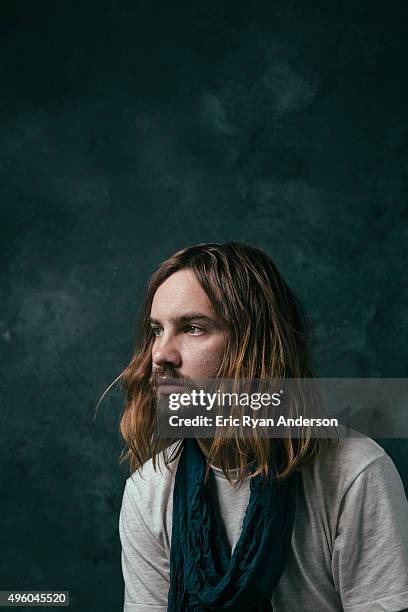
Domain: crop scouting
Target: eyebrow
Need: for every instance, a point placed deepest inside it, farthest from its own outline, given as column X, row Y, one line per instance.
column 187, row 318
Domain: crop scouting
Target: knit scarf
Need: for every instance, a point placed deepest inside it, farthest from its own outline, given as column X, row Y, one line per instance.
column 203, row 574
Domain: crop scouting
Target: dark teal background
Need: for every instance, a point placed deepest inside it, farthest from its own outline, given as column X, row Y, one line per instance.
column 131, row 129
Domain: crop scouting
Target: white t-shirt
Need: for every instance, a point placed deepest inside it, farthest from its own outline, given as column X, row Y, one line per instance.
column 349, row 548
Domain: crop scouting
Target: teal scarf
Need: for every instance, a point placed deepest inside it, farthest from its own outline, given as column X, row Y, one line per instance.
column 203, row 575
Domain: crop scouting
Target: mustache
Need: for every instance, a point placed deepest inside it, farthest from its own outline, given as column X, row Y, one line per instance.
column 168, row 372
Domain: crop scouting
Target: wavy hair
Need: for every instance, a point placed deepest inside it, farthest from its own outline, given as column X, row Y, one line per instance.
column 267, row 339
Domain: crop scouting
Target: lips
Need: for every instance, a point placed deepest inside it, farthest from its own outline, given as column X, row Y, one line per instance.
column 170, row 385
column 168, row 389
column 168, row 381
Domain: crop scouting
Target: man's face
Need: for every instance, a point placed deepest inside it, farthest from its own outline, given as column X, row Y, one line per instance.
column 190, row 338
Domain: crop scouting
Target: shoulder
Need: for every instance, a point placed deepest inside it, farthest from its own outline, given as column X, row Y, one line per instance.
column 148, row 491
column 349, row 463
column 153, row 477
column 344, row 459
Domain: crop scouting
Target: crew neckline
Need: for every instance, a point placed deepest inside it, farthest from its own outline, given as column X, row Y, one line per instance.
column 232, row 471
column 220, row 470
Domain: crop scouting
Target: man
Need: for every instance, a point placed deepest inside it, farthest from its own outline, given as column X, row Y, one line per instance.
column 330, row 533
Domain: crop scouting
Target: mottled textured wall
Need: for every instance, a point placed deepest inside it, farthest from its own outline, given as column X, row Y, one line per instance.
column 130, row 129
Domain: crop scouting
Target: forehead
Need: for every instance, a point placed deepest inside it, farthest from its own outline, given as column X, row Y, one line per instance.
column 180, row 293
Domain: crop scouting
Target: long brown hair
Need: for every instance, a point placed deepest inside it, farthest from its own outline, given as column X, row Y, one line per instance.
column 267, row 338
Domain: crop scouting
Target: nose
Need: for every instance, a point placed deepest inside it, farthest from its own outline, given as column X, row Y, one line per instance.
column 165, row 352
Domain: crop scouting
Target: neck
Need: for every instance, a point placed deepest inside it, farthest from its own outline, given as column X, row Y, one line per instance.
column 205, row 445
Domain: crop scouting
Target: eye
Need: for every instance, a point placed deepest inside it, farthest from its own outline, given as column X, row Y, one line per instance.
column 156, row 331
column 196, row 331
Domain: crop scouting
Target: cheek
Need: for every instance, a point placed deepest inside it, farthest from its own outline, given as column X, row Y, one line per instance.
column 153, row 347
column 208, row 356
